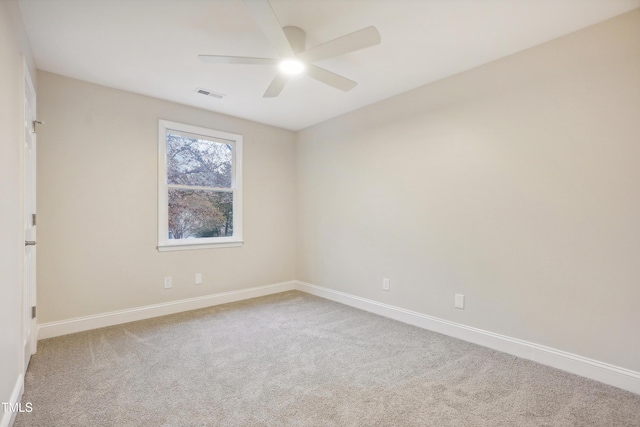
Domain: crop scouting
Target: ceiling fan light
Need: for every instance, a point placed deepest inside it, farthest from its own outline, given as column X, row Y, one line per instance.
column 291, row 66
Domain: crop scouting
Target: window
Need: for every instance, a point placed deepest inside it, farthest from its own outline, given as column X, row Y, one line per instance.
column 199, row 187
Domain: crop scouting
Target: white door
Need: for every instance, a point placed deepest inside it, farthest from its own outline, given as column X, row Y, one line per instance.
column 29, row 330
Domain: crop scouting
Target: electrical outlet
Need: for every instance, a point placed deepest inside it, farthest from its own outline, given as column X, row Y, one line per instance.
column 198, row 279
column 386, row 284
column 167, row 282
column 459, row 301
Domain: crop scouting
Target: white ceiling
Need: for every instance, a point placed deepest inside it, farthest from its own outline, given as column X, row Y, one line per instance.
column 150, row 47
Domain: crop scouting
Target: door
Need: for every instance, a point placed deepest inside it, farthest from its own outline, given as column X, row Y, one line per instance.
column 29, row 328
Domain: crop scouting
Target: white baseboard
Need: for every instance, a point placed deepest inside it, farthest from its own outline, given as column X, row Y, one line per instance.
column 609, row 374
column 7, row 418
column 79, row 324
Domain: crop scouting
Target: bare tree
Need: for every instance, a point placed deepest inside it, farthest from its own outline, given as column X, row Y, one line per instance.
column 202, row 212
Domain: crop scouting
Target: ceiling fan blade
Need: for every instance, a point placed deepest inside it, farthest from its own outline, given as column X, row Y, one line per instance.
column 220, row 59
column 276, row 86
column 332, row 79
column 351, row 42
column 297, row 38
column 266, row 18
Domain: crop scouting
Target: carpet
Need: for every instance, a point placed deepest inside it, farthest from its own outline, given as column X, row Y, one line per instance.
column 293, row 359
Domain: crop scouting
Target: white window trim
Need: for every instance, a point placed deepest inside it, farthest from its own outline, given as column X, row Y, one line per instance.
column 166, row 244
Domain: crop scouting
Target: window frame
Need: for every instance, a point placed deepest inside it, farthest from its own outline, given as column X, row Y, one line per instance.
column 236, row 141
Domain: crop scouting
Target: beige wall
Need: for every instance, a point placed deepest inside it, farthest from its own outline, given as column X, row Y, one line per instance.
column 516, row 184
column 97, row 195
column 14, row 51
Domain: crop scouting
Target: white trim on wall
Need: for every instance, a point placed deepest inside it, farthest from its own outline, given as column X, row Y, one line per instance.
column 625, row 379
column 7, row 418
column 214, row 136
column 78, row 324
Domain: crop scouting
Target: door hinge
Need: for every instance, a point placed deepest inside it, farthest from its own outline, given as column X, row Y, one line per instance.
column 33, row 312
column 34, row 123
column 33, row 219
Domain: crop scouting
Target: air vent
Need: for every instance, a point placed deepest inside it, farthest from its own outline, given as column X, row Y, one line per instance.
column 208, row 92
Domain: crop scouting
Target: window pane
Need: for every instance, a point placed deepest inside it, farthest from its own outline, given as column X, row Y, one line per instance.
column 195, row 160
column 200, row 214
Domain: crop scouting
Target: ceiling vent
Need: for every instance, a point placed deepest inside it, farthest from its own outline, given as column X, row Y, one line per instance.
column 208, row 92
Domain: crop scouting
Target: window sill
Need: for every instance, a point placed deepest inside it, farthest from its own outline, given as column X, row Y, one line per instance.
column 192, row 246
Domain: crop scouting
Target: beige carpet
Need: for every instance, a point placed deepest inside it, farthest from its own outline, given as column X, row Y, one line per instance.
column 293, row 359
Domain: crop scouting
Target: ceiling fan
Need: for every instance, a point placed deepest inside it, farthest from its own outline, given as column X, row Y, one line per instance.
column 294, row 56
